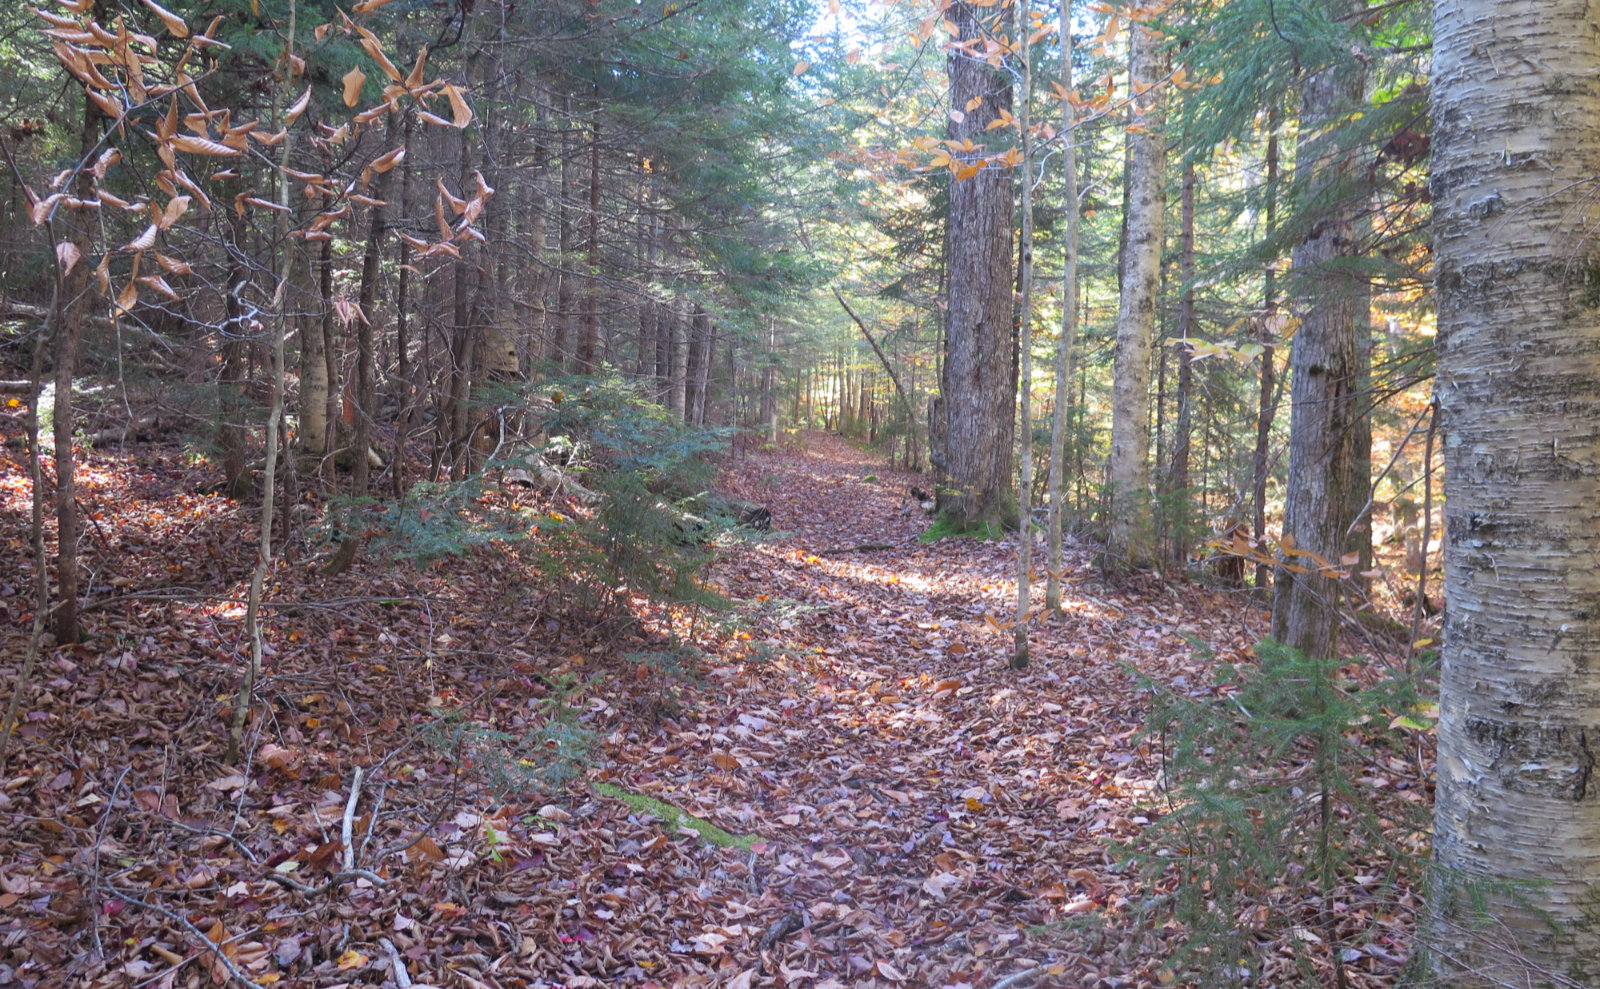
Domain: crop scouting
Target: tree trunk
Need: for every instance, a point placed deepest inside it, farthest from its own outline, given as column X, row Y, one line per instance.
column 566, row 282
column 1324, row 366
column 1069, row 306
column 313, row 401
column 678, row 372
column 366, row 364
column 1516, row 105
column 705, row 339
column 72, row 299
column 1267, row 406
column 1024, row 613
column 591, row 294
column 1130, row 533
column 1178, row 480
column 979, row 387
column 237, row 331
column 408, row 393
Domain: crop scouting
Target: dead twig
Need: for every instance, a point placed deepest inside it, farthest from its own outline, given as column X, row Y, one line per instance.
column 347, row 832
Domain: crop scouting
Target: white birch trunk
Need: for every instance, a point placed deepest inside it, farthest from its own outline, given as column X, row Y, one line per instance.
column 1516, row 102
column 1129, row 542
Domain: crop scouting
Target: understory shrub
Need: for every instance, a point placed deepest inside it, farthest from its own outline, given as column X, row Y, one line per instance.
column 1292, row 814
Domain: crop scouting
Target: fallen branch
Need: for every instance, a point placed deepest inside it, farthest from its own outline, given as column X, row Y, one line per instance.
column 210, row 947
column 1018, row 978
column 347, row 832
column 857, row 548
column 402, row 978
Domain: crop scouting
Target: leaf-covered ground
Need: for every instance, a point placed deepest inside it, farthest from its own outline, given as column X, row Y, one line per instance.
column 842, row 784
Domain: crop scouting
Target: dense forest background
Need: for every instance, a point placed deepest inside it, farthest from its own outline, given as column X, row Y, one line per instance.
column 444, row 396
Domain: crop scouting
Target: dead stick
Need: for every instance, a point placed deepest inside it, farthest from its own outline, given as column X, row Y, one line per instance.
column 1017, row 978
column 211, row 948
column 857, row 548
column 402, row 978
column 904, row 398
column 347, row 833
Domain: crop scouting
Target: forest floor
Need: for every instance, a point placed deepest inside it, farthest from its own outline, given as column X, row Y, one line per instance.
column 892, row 805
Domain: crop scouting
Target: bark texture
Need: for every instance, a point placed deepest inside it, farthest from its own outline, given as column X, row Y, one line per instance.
column 979, row 386
column 1516, row 102
column 1325, row 407
column 1069, row 310
column 1130, row 535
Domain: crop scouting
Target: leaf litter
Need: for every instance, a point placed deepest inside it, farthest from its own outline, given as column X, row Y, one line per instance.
column 901, row 809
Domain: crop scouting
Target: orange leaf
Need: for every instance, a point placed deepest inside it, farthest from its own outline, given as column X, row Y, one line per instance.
column 458, row 106
column 174, row 23
column 127, row 297
column 144, row 241
column 298, row 107
column 389, row 160
column 67, row 255
column 415, row 78
column 203, row 146
column 353, row 81
column 376, row 51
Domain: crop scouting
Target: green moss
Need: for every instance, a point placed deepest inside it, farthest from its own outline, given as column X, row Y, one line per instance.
column 707, row 831
column 945, row 527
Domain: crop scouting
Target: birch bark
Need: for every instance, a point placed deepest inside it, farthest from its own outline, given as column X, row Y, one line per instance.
column 1129, row 536
column 1516, row 104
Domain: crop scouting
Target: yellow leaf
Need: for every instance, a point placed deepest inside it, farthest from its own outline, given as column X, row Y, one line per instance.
column 352, row 959
column 353, row 81
column 974, row 103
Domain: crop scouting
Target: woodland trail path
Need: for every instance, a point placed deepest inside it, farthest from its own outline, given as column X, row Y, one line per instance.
column 929, row 817
column 931, row 812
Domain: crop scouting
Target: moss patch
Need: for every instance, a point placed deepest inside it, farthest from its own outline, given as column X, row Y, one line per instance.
column 944, row 527
column 708, row 832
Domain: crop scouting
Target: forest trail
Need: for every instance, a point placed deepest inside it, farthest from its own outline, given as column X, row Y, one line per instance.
column 913, row 813
column 934, row 811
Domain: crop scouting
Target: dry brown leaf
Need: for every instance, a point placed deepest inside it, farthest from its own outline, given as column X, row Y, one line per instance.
column 353, row 81
column 175, row 24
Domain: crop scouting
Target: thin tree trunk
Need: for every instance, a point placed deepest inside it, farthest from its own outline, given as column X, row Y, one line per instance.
column 1024, row 614
column 246, row 698
column 591, row 321
column 1129, row 535
column 408, row 392
column 1267, row 408
column 1069, row 305
column 1178, row 484
column 72, row 299
column 367, row 297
